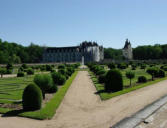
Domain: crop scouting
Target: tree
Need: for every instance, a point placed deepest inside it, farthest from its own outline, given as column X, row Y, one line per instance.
column 2, row 71
column 152, row 71
column 130, row 75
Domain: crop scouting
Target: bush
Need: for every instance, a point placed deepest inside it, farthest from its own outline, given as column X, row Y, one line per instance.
column 20, row 74
column 143, row 66
column 113, row 81
column 142, row 79
column 8, row 71
column 101, row 78
column 21, row 69
column 9, row 66
column 49, row 68
column 58, row 78
column 161, row 73
column 42, row 67
column 62, row 66
column 100, row 72
column 32, row 98
column 111, row 65
column 122, row 66
column 44, row 82
column 152, row 71
column 2, row 71
column 30, row 71
column 70, row 71
column 62, row 71
column 24, row 66
column 53, row 89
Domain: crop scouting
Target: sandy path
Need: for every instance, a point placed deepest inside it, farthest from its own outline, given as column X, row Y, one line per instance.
column 81, row 108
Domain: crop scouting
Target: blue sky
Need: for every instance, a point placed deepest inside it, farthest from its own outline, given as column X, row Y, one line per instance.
column 69, row 22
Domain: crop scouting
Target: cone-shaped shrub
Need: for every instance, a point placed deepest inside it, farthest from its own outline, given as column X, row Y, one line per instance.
column 113, row 81
column 32, row 98
column 44, row 82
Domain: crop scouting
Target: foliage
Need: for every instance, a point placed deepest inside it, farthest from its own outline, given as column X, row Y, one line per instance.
column 30, row 71
column 49, row 68
column 152, row 71
column 15, row 53
column 58, row 78
column 9, row 66
column 62, row 66
column 113, row 81
column 62, row 71
column 111, row 65
column 2, row 71
column 32, row 98
column 130, row 75
column 101, row 78
column 142, row 79
column 44, row 81
column 24, row 66
column 20, row 74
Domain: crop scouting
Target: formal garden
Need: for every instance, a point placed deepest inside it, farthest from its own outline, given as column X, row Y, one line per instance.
column 36, row 91
column 113, row 79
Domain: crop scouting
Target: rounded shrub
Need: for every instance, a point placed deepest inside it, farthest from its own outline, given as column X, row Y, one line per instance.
column 58, row 78
column 113, row 81
column 70, row 71
column 62, row 71
column 142, row 79
column 152, row 71
column 49, row 68
column 111, row 65
column 101, row 78
column 30, row 71
column 44, row 82
column 32, row 98
column 53, row 89
column 161, row 73
column 62, row 66
column 20, row 74
column 100, row 72
column 24, row 66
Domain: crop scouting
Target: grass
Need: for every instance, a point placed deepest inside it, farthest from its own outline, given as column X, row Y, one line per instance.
column 104, row 95
column 12, row 88
column 48, row 111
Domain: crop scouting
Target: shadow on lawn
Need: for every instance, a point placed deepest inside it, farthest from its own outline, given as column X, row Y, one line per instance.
column 13, row 113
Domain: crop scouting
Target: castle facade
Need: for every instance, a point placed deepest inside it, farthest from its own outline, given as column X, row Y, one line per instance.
column 85, row 52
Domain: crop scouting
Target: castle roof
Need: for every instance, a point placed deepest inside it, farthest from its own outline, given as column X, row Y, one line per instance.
column 127, row 43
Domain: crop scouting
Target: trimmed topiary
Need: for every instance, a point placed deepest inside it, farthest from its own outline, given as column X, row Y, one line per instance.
column 142, row 79
column 44, row 82
column 24, row 66
column 100, row 72
column 49, row 68
column 101, row 78
column 32, row 98
column 30, row 71
column 62, row 71
column 62, row 66
column 70, row 71
column 113, row 81
column 130, row 75
column 152, row 71
column 20, row 74
column 111, row 65
column 58, row 78
column 53, row 89
column 161, row 73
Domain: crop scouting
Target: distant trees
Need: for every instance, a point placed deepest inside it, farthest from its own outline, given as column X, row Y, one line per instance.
column 139, row 53
column 150, row 52
column 15, row 53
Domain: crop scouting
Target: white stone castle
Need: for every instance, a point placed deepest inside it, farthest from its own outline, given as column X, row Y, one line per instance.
column 127, row 50
column 85, row 52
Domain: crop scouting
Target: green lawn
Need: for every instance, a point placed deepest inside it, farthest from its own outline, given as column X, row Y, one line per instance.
column 138, row 72
column 11, row 89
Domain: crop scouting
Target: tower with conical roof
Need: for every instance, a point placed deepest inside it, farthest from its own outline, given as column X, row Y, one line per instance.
column 127, row 50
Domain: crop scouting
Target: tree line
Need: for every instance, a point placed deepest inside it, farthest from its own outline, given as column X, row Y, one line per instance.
column 15, row 53
column 145, row 52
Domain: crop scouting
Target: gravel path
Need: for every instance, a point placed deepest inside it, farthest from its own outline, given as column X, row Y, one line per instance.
column 81, row 108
